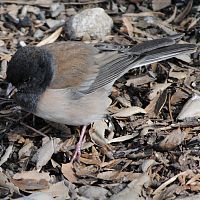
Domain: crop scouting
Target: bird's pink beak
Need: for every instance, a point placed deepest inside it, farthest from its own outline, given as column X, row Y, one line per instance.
column 11, row 90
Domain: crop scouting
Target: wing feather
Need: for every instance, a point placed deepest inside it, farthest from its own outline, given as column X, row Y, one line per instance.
column 85, row 68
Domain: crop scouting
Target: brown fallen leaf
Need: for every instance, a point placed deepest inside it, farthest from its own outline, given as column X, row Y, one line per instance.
column 30, row 184
column 157, row 88
column 174, row 139
column 178, row 96
column 128, row 112
column 117, row 175
column 67, row 170
column 129, row 26
column 31, row 180
column 32, row 175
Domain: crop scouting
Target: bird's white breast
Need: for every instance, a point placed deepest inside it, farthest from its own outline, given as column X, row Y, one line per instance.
column 57, row 105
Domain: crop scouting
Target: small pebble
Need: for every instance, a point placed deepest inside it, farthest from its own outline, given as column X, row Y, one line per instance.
column 41, row 16
column 34, row 10
column 11, row 18
column 24, row 11
column 22, row 43
column 56, row 9
column 38, row 34
column 53, row 23
column 71, row 12
column 25, row 22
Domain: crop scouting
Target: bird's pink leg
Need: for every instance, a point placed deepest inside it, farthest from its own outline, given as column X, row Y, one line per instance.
column 77, row 152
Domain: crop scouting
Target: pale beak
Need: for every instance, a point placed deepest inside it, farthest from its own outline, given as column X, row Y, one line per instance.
column 11, row 90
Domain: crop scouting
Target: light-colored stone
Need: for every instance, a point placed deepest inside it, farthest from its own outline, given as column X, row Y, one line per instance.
column 94, row 22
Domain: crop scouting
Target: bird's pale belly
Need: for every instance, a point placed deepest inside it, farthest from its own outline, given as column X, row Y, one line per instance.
column 55, row 106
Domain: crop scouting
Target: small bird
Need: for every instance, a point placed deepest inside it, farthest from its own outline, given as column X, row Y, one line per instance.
column 69, row 82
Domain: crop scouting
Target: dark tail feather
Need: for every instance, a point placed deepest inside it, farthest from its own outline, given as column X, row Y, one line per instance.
column 165, row 53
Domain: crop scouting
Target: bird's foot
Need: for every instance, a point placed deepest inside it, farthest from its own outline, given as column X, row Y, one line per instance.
column 77, row 153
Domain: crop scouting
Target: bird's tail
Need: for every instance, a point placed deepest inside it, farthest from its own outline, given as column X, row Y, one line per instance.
column 164, row 53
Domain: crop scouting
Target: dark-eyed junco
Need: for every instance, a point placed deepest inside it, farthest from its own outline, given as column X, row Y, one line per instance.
column 69, row 82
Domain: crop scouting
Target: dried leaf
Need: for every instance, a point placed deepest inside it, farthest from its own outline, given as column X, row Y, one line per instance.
column 160, row 4
column 5, row 157
column 178, row 75
column 58, row 191
column 191, row 108
column 173, row 140
column 148, row 163
column 134, row 189
column 158, row 88
column 30, row 184
column 97, row 132
column 32, row 175
column 26, row 150
column 128, row 25
column 128, row 112
column 171, row 180
column 178, row 96
column 45, row 153
column 117, row 175
column 184, row 13
column 67, row 170
column 31, row 180
column 122, row 138
column 52, row 38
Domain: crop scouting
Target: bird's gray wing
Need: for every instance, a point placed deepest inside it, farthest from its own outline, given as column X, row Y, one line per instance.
column 84, row 68
column 136, row 56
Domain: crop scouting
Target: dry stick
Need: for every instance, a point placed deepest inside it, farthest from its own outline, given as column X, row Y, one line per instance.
column 170, row 108
column 33, row 129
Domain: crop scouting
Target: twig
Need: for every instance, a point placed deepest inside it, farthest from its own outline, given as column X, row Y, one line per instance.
column 33, row 129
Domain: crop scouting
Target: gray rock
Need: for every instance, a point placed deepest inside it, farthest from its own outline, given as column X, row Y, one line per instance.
column 38, row 34
column 71, row 12
column 56, row 9
column 94, row 22
column 33, row 9
column 54, row 23
column 93, row 192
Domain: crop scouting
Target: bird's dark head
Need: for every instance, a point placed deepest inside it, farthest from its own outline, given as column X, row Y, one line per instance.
column 30, row 72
